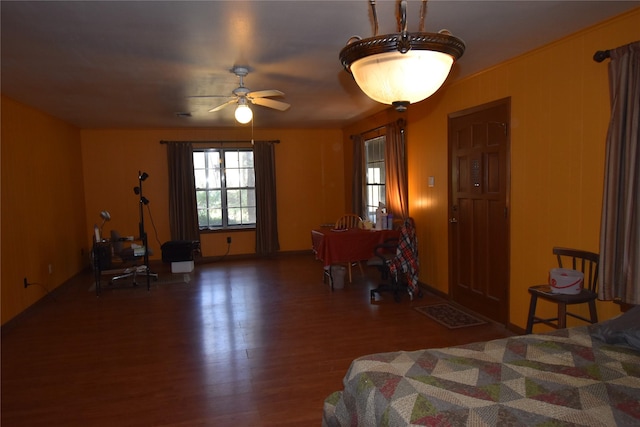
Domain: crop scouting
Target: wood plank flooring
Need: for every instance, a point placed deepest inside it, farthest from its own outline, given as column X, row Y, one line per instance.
column 257, row 342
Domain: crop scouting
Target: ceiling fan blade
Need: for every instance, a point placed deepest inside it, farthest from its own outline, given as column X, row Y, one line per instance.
column 264, row 93
column 271, row 103
column 220, row 107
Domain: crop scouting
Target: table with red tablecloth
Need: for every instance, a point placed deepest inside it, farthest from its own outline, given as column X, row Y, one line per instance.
column 346, row 246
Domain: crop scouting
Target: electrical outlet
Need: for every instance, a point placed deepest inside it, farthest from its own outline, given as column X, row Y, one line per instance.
column 229, row 239
column 26, row 283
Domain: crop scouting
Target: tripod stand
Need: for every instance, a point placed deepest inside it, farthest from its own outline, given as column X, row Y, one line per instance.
column 143, row 234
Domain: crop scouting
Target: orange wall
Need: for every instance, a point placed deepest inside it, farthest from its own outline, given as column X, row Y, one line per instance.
column 43, row 216
column 309, row 177
column 559, row 117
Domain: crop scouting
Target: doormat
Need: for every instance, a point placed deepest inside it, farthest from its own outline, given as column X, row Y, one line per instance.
column 449, row 316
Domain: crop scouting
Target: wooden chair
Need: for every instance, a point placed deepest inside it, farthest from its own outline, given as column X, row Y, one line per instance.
column 584, row 261
column 346, row 222
column 349, row 221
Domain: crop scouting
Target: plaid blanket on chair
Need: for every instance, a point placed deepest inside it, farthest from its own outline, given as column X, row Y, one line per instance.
column 406, row 259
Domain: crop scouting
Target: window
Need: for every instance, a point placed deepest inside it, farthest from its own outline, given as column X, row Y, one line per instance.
column 375, row 179
column 225, row 188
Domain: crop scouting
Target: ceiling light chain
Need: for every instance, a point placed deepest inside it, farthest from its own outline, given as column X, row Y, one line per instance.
column 423, row 13
column 375, row 17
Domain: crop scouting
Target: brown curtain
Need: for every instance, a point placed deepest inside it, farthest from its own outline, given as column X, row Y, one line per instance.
column 619, row 275
column 397, row 188
column 357, row 199
column 266, row 201
column 183, row 213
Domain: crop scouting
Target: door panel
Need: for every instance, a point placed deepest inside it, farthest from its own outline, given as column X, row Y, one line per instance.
column 479, row 220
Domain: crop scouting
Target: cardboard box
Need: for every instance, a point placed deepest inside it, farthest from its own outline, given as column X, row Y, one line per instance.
column 182, row 267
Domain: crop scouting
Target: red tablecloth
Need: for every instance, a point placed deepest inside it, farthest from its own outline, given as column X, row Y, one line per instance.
column 338, row 247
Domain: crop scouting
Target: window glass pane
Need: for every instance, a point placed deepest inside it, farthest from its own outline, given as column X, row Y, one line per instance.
column 201, row 200
column 231, row 159
column 246, row 159
column 215, row 199
column 248, row 198
column 232, row 177
column 235, row 216
column 214, row 178
column 198, row 160
column 249, row 215
column 213, row 159
column 247, row 178
column 215, row 217
column 201, row 178
column 233, row 198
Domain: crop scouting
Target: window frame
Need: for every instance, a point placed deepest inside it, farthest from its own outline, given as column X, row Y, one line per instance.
column 224, row 189
column 378, row 181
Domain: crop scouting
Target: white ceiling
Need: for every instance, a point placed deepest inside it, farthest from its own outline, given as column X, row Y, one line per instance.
column 135, row 64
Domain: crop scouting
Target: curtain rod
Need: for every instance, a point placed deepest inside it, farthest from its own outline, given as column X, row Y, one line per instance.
column 401, row 124
column 378, row 129
column 601, row 55
column 248, row 141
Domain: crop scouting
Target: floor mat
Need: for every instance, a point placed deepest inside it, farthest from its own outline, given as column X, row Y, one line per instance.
column 449, row 316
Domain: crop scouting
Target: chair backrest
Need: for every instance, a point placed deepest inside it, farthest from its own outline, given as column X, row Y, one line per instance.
column 387, row 249
column 584, row 261
column 348, row 221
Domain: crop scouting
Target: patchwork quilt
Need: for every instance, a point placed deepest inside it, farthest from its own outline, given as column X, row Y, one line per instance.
column 563, row 378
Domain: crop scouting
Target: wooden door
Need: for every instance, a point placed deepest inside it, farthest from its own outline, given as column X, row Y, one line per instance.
column 479, row 211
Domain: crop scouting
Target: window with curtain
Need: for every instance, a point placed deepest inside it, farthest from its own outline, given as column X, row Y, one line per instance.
column 375, row 175
column 225, row 188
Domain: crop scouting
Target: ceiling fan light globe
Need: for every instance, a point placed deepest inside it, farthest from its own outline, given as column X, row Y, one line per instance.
column 393, row 76
column 243, row 114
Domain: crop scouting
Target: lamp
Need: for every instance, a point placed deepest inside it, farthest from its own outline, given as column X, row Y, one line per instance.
column 142, row 176
column 243, row 112
column 106, row 216
column 403, row 68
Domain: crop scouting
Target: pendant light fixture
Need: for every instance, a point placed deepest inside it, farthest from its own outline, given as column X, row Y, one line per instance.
column 402, row 68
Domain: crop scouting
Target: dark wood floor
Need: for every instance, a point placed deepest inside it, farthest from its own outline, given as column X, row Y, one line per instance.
column 244, row 343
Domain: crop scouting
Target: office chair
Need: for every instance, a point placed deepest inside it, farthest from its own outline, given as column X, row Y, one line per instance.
column 401, row 269
column 128, row 258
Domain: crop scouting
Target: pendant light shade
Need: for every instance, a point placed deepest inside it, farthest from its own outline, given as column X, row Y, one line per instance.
column 403, row 68
column 243, row 112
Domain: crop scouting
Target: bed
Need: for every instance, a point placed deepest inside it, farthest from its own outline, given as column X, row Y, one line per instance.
column 586, row 376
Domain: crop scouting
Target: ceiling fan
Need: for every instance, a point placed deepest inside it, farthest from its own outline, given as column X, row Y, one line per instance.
column 242, row 96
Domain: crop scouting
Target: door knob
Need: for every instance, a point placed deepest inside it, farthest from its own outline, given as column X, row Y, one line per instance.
column 453, row 220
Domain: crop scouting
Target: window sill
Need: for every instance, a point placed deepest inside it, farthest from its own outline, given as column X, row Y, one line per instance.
column 227, row 229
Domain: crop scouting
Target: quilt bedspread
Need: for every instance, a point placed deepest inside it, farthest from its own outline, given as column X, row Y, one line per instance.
column 562, row 378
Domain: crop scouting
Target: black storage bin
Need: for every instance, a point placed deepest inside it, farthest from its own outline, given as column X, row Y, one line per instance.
column 179, row 250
